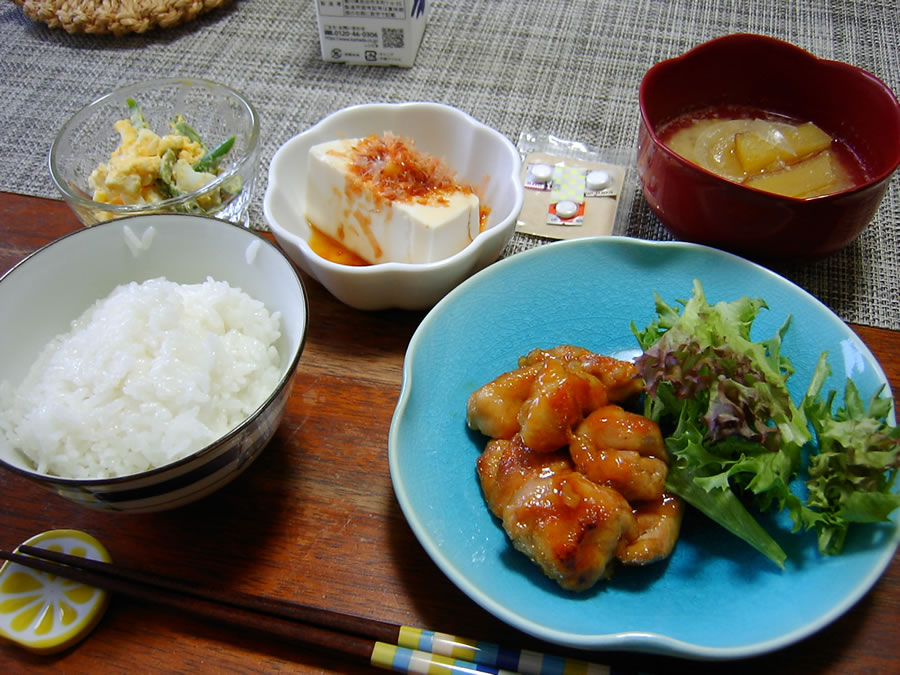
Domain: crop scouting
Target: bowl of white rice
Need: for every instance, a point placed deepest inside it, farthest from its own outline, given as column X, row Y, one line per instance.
column 146, row 361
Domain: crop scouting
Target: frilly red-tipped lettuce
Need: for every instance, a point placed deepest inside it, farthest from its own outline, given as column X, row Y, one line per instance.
column 738, row 439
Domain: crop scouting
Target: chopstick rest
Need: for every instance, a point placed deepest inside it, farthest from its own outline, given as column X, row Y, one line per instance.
column 44, row 613
column 381, row 644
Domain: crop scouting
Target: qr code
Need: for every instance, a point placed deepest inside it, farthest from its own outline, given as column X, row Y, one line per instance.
column 392, row 37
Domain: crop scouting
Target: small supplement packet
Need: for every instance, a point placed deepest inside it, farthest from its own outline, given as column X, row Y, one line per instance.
column 571, row 190
column 371, row 32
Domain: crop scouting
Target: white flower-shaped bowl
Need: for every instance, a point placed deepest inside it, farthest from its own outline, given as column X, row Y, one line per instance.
column 478, row 154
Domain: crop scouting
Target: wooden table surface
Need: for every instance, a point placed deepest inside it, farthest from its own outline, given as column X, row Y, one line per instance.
column 315, row 520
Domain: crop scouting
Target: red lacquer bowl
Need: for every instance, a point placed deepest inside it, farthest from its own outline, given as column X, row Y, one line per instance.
column 762, row 72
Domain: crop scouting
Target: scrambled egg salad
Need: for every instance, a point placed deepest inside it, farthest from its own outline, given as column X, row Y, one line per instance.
column 147, row 168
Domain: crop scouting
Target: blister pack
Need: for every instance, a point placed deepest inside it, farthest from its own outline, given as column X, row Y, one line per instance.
column 571, row 189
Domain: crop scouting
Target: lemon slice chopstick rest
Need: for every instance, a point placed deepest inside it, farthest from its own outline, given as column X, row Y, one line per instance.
column 45, row 613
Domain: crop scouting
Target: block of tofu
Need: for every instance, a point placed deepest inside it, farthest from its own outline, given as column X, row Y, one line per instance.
column 383, row 200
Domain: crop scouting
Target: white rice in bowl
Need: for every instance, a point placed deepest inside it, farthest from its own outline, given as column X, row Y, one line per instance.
column 146, row 376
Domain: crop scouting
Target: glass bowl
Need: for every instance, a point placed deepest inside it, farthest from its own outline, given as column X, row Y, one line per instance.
column 215, row 111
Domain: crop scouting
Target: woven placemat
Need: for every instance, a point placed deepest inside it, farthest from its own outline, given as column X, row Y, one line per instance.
column 570, row 68
column 115, row 17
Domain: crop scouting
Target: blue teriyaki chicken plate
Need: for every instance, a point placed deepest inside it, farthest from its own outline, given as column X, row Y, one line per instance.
column 650, row 446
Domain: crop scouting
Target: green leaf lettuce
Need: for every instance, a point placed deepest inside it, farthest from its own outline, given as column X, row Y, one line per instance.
column 737, row 438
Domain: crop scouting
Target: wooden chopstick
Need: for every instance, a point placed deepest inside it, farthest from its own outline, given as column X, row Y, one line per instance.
column 382, row 644
column 353, row 646
column 346, row 623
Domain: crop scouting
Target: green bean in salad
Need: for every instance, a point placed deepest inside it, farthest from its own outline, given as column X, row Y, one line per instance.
column 166, row 173
column 210, row 161
column 138, row 120
column 187, row 131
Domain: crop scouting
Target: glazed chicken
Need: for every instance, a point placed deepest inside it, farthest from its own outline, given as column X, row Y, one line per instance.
column 623, row 450
column 551, row 391
column 659, row 524
column 570, row 526
column 577, row 481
